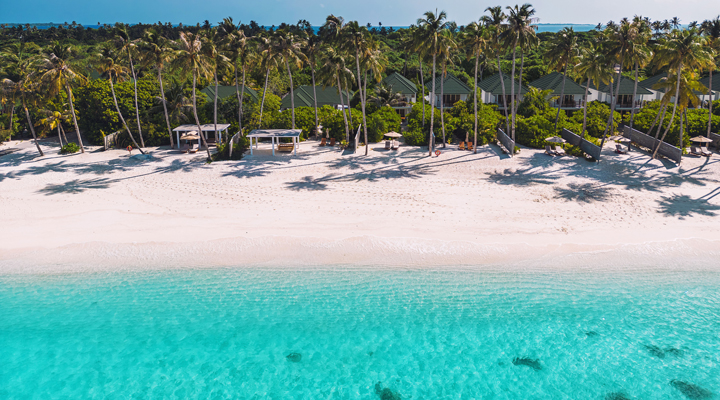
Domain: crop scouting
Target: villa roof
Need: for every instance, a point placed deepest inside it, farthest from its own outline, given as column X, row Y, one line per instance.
column 227, row 91
column 452, row 85
column 492, row 85
column 554, row 82
column 399, row 83
column 716, row 82
column 326, row 96
column 627, row 87
column 648, row 83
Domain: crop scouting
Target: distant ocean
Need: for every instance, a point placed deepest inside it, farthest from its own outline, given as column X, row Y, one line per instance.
column 541, row 27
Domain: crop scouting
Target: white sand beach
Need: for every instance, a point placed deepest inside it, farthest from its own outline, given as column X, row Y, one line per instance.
column 324, row 207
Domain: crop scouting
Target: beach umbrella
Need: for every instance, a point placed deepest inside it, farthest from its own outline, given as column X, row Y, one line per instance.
column 555, row 139
column 394, row 135
column 190, row 136
column 616, row 137
column 700, row 139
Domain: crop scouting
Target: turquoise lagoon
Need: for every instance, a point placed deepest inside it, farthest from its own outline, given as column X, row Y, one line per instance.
column 360, row 334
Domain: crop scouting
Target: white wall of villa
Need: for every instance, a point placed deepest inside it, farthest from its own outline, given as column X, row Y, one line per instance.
column 448, row 99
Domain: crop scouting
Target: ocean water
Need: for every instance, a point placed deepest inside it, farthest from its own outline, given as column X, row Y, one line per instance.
column 360, row 334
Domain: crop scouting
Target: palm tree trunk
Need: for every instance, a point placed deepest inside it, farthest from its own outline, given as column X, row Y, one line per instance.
column 72, row 111
column 362, row 97
column 117, row 108
column 342, row 106
column 292, row 94
column 431, row 136
column 657, row 116
column 12, row 115
column 32, row 128
column 672, row 116
column 215, row 100
column 63, row 134
column 519, row 92
column 422, row 84
column 709, row 106
column 262, row 103
column 242, row 99
column 562, row 97
column 587, row 88
column 682, row 117
column 312, row 73
column 237, row 93
column 442, row 103
column 662, row 120
column 477, row 58
column 347, row 90
column 59, row 137
column 197, row 120
column 502, row 84
column 167, row 117
column 632, row 107
column 137, row 110
column 613, row 102
column 512, row 92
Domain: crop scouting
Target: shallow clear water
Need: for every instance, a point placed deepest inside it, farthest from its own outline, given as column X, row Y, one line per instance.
column 360, row 335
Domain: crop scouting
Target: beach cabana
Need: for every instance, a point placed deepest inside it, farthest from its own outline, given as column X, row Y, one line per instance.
column 275, row 135
column 206, row 128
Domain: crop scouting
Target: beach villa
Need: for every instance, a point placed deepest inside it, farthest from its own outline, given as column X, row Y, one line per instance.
column 454, row 90
column 714, row 90
column 400, row 84
column 713, row 95
column 625, row 101
column 573, row 93
column 492, row 91
column 326, row 96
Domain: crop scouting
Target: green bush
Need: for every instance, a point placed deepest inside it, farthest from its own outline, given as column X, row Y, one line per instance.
column 381, row 122
column 597, row 116
column 238, row 149
column 416, row 138
column 70, row 148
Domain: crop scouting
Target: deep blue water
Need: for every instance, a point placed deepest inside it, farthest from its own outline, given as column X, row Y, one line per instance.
column 359, row 334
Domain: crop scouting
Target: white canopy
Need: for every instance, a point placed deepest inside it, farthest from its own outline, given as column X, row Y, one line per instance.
column 275, row 134
column 192, row 129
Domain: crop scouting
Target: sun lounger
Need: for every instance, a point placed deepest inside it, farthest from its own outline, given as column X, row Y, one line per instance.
column 387, row 145
column 620, row 149
column 705, row 151
column 323, row 142
column 185, row 148
column 559, row 151
column 286, row 147
column 192, row 148
column 332, row 141
column 470, row 146
column 395, row 144
column 462, row 146
column 549, row 151
column 694, row 150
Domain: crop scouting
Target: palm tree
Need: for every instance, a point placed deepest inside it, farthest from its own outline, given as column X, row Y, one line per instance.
column 475, row 38
column 593, row 67
column 711, row 29
column 156, row 52
column 312, row 49
column 496, row 22
column 430, row 31
column 268, row 59
column 519, row 30
column 179, row 106
column 213, row 43
column 288, row 47
column 333, row 71
column 190, row 58
column 54, row 117
column 617, row 43
column 127, row 46
column 413, row 45
column 561, row 54
column 639, row 55
column 236, row 50
column 19, row 59
column 446, row 47
column 385, row 96
column 105, row 61
column 689, row 86
column 56, row 73
column 681, row 49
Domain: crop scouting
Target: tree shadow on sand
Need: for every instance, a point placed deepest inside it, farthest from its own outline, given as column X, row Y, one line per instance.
column 584, row 193
column 75, row 186
column 684, row 206
column 308, row 183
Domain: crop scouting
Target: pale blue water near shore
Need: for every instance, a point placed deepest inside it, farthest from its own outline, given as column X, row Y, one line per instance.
column 360, row 334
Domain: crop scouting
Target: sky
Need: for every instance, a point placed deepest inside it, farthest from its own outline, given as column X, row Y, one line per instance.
column 387, row 12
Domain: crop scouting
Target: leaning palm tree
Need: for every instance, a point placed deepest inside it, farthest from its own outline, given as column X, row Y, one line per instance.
column 156, row 52
column 126, row 45
column 681, row 49
column 639, row 55
column 496, row 23
column 412, row 45
column 617, row 42
column 475, row 39
column 519, row 29
column 592, row 68
column 105, row 61
column 333, row 71
column 55, row 115
column 179, row 106
column 267, row 58
column 236, row 49
column 190, row 58
column 55, row 72
column 561, row 54
column 212, row 39
column 288, row 47
column 385, row 96
column 446, row 49
column 430, row 30
column 688, row 89
column 711, row 29
column 311, row 49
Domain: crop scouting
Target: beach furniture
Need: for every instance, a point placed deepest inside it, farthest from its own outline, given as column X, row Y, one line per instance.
column 705, row 151
column 559, row 151
column 192, row 148
column 462, row 146
column 185, row 148
column 288, row 147
column 395, row 144
column 694, row 150
column 332, row 141
column 323, row 142
column 620, row 149
column 469, row 146
column 388, row 144
column 549, row 151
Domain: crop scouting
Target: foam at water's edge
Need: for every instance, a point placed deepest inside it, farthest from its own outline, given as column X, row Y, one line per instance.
column 363, row 252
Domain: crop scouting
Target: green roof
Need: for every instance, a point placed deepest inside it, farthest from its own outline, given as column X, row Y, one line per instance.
column 627, row 87
column 399, row 83
column 716, row 82
column 227, row 91
column 648, row 83
column 554, row 82
column 452, row 85
column 304, row 97
column 492, row 85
